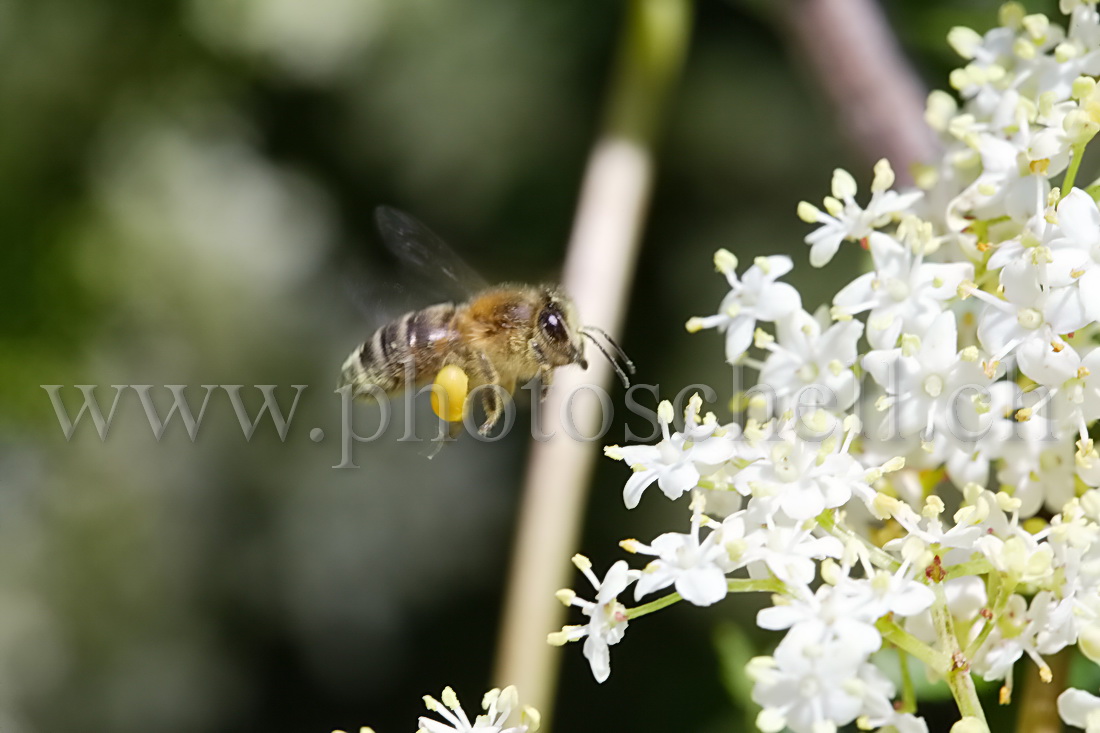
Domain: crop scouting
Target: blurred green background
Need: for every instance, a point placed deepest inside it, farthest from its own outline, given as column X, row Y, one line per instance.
column 187, row 196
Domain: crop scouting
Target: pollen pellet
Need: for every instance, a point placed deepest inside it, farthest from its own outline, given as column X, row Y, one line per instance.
column 454, row 384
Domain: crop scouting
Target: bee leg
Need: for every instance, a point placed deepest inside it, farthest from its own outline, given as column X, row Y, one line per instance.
column 536, row 349
column 545, row 370
column 491, row 401
column 546, row 378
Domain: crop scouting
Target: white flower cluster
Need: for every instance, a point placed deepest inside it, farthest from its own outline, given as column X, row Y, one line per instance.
column 499, row 706
column 914, row 468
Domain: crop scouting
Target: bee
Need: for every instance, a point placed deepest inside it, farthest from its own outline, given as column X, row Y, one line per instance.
column 498, row 337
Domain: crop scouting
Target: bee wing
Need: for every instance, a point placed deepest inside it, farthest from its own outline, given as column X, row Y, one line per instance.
column 422, row 250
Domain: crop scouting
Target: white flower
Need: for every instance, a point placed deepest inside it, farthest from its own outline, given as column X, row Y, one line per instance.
column 846, row 611
column 668, row 463
column 498, row 705
column 1039, row 466
column 879, row 710
column 928, row 383
column 1076, row 254
column 679, row 460
column 928, row 530
column 607, row 617
column 844, row 219
column 806, row 685
column 755, row 297
column 1080, row 709
column 1029, row 312
column 788, row 553
column 802, row 478
column 829, row 615
column 903, row 293
column 996, row 435
column 808, row 356
column 1009, row 183
column 696, row 568
column 1014, row 635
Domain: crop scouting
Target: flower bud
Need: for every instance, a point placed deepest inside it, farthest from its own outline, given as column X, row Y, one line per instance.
column 843, row 185
column 808, row 213
column 969, row 724
column 965, row 41
column 725, row 261
column 884, row 176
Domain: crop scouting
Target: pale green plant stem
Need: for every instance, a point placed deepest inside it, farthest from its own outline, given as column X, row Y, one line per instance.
column 735, row 585
column 598, row 270
column 958, row 672
column 934, row 659
column 1004, row 593
column 977, row 567
column 748, row 585
column 908, row 692
column 1077, row 152
column 657, row 605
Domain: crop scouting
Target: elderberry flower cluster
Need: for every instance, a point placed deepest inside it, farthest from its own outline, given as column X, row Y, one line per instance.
column 499, row 706
column 913, row 470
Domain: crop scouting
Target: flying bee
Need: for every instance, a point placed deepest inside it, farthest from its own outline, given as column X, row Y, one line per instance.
column 499, row 337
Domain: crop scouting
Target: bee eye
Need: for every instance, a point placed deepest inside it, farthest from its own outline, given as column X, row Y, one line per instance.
column 552, row 325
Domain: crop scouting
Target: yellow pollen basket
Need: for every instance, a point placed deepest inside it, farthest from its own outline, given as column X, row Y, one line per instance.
column 449, row 401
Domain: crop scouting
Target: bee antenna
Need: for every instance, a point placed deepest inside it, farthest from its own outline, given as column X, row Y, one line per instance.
column 618, row 349
column 614, row 364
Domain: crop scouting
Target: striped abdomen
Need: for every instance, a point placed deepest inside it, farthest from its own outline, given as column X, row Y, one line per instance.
column 414, row 344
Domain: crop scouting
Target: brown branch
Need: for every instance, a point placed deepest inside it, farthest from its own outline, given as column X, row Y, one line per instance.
column 853, row 56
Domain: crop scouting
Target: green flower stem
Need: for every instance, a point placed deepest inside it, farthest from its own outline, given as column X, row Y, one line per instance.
column 908, row 692
column 827, row 521
column 980, row 228
column 657, row 605
column 1004, row 593
column 735, row 585
column 980, row 566
column 1078, row 152
column 935, row 660
column 748, row 585
column 958, row 673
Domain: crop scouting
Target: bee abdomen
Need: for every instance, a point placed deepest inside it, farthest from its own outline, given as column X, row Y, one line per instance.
column 411, row 345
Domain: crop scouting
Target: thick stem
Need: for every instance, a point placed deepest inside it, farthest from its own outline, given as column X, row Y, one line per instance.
column 1039, row 704
column 908, row 692
column 934, row 659
column 598, row 270
column 958, row 675
column 854, row 59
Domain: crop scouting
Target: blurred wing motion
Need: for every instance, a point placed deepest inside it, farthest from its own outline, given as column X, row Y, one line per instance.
column 426, row 254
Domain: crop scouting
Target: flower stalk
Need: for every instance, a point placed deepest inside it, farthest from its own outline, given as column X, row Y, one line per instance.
column 598, row 271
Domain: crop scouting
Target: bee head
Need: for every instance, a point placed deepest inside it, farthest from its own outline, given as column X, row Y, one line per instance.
column 559, row 330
